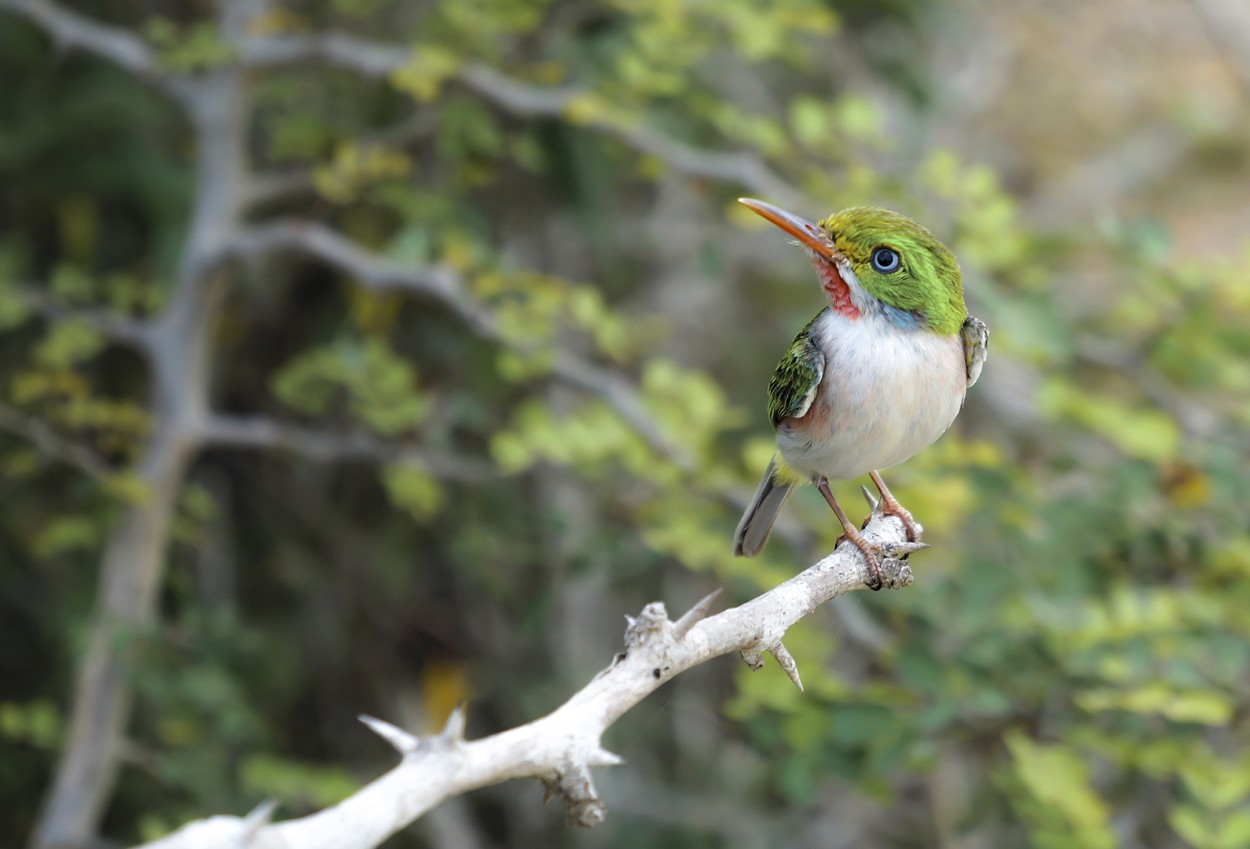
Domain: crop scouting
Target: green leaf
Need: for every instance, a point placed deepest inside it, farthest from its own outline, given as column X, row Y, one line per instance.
column 13, row 308
column 35, row 723
column 1207, row 707
column 1057, row 778
column 265, row 775
column 423, row 75
column 68, row 343
column 379, row 387
column 67, row 533
column 1146, row 434
column 413, row 489
column 810, row 122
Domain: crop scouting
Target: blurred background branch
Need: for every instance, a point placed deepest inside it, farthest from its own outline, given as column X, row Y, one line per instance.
column 122, row 47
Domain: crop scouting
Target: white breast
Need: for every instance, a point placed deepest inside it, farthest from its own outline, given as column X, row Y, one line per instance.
column 886, row 394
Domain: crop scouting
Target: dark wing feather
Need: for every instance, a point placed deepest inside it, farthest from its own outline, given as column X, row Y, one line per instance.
column 796, row 378
column 976, row 338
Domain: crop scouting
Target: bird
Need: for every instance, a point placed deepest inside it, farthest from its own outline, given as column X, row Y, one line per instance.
column 876, row 376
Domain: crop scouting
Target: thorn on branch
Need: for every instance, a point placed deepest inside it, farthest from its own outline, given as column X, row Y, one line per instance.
column 258, row 818
column 694, row 615
column 453, row 729
column 899, row 550
column 787, row 663
column 874, row 503
column 602, row 757
column 401, row 740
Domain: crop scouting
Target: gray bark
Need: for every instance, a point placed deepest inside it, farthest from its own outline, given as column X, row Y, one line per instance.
column 133, row 564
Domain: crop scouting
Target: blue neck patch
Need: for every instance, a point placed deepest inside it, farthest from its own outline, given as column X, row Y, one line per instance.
column 902, row 319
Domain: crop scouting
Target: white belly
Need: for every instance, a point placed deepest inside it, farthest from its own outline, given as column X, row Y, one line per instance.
column 886, row 394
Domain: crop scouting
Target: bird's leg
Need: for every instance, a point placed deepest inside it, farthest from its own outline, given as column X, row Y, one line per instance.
column 871, row 554
column 891, row 507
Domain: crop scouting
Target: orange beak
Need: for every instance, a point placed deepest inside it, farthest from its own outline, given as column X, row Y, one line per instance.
column 810, row 235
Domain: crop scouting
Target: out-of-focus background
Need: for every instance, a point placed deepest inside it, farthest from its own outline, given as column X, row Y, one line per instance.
column 378, row 356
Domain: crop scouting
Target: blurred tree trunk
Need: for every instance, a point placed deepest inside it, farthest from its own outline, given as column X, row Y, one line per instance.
column 131, row 572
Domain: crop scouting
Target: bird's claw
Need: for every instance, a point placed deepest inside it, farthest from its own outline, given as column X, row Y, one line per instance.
column 873, row 552
column 874, row 582
column 913, row 528
column 872, row 561
column 889, row 506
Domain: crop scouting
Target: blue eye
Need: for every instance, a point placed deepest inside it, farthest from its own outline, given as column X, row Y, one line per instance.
column 886, row 260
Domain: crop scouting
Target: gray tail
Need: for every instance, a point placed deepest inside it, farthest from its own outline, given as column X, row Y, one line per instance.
column 757, row 521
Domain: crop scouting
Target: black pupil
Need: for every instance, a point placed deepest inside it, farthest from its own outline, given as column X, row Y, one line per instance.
column 886, row 259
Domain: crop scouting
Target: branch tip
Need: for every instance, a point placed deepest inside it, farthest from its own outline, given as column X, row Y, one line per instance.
column 401, row 740
column 586, row 813
column 895, row 574
column 786, row 661
column 582, row 806
column 694, row 615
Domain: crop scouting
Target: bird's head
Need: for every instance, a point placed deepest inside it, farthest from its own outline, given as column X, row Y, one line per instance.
column 872, row 260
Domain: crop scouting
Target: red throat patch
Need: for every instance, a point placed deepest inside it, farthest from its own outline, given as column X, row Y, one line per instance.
column 836, row 290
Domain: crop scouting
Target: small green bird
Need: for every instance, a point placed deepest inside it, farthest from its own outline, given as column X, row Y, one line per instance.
column 877, row 375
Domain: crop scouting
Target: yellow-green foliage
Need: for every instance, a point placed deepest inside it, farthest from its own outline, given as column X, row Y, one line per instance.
column 414, row 489
column 1059, row 798
column 365, row 376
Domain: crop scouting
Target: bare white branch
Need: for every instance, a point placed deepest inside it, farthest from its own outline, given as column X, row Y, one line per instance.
column 563, row 746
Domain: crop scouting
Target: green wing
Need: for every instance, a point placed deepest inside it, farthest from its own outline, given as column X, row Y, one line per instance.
column 796, row 378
